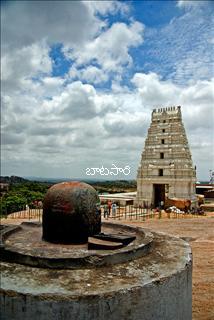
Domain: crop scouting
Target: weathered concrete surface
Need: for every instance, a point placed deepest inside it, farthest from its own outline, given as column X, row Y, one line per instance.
column 25, row 246
column 156, row 286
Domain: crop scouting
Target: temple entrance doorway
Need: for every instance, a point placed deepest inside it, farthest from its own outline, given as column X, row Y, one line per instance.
column 159, row 194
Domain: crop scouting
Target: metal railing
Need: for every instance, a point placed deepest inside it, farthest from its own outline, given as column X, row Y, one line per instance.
column 30, row 214
column 129, row 212
column 132, row 212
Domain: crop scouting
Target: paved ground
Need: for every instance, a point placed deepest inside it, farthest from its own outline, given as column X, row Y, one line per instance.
column 200, row 234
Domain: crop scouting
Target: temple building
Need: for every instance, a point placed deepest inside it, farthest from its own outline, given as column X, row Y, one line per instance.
column 166, row 168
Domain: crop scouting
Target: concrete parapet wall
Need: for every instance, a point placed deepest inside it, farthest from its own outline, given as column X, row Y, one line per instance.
column 167, row 299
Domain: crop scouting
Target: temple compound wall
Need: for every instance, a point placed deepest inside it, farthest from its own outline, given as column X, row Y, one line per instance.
column 166, row 167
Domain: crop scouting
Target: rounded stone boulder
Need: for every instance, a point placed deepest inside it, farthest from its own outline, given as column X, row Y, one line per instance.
column 71, row 213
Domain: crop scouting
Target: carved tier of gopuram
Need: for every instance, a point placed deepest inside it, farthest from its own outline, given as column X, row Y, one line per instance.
column 166, row 168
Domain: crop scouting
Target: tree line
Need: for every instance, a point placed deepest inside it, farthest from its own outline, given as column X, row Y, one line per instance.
column 24, row 192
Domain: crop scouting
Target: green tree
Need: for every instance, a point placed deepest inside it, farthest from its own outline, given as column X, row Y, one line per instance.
column 13, row 203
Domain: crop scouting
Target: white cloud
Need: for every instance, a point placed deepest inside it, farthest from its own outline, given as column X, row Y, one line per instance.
column 106, row 7
column 57, row 126
column 26, row 22
column 69, row 22
column 191, row 3
column 182, row 50
column 21, row 65
column 197, row 110
column 51, row 86
column 196, row 99
column 153, row 91
column 110, row 49
column 81, row 123
column 90, row 74
column 125, row 124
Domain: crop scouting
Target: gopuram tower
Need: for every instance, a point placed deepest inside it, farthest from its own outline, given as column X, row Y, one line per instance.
column 166, row 167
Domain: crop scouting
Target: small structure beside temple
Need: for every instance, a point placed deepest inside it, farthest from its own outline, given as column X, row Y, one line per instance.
column 166, row 169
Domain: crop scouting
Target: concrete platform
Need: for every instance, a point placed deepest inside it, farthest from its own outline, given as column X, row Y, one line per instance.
column 157, row 285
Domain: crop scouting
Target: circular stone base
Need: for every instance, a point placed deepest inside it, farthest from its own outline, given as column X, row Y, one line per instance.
column 155, row 286
column 24, row 245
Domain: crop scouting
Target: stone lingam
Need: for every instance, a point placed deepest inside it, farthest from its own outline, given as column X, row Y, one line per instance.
column 71, row 213
column 73, row 267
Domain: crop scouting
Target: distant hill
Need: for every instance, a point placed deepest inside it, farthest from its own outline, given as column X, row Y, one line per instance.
column 12, row 179
column 87, row 180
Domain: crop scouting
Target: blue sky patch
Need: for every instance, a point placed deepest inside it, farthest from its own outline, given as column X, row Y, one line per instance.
column 60, row 64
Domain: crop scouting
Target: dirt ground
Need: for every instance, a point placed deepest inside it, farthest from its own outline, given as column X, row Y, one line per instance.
column 199, row 232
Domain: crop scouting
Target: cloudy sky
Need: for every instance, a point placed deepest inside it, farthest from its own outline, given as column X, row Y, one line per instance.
column 80, row 79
